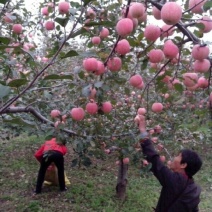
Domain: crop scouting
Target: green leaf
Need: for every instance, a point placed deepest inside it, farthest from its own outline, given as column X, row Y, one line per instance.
column 4, row 47
column 144, row 64
column 17, row 83
column 160, row 84
column 53, row 50
column 163, row 90
column 186, row 51
column 86, row 2
column 207, row 6
column 98, row 84
column 59, row 77
column 74, row 162
column 4, row 90
column 88, row 54
column 140, row 36
column 106, row 88
column 18, row 50
column 78, row 32
column 86, row 91
column 19, row 121
column 102, row 23
column 200, row 26
column 4, row 40
column 71, row 53
column 58, row 27
column 2, row 82
column 127, row 91
column 178, row 87
column 62, row 21
column 47, row 95
column 120, row 80
column 75, row 4
column 49, row 134
column 81, row 75
column 71, row 85
column 86, row 161
column 23, row 76
column 3, row 1
column 188, row 15
column 186, row 4
column 178, row 38
column 198, row 33
column 133, row 42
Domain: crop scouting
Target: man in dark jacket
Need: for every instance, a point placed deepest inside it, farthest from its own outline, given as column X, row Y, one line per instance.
column 179, row 192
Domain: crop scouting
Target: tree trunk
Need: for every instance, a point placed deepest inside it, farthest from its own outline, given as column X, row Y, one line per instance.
column 122, row 181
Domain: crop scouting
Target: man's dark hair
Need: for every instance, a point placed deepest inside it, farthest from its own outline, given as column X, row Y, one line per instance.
column 193, row 161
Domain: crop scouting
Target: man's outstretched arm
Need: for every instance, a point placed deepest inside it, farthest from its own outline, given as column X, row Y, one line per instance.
column 162, row 172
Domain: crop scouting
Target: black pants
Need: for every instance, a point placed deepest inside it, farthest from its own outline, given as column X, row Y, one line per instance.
column 57, row 158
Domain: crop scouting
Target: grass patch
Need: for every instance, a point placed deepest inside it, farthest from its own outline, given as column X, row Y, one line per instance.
column 91, row 189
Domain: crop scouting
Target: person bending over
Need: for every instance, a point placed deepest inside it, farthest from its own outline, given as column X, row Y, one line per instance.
column 51, row 151
column 179, row 192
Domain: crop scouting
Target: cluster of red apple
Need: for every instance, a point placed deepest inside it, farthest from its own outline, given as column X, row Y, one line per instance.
column 63, row 8
column 126, row 25
column 78, row 113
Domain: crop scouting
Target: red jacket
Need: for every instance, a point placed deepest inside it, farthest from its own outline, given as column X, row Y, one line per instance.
column 50, row 145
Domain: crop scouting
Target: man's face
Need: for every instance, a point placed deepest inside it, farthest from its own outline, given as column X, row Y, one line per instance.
column 176, row 165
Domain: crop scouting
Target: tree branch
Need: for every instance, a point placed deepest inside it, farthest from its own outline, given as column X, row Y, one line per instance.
column 38, row 116
column 119, row 37
column 161, row 69
column 210, row 75
column 44, row 120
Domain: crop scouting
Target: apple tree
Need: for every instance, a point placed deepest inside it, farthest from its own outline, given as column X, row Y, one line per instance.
column 85, row 69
